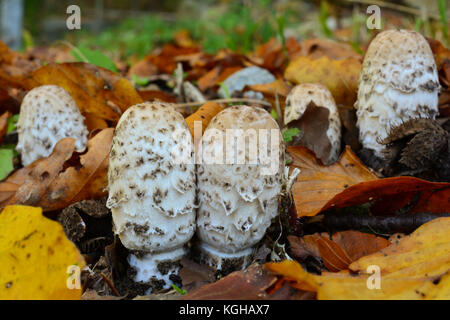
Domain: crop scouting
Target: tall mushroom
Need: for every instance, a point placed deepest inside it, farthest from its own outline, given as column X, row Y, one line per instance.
column 239, row 181
column 151, row 182
column 398, row 82
column 48, row 114
column 311, row 108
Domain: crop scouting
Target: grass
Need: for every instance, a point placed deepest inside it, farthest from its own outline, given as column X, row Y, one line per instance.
column 236, row 27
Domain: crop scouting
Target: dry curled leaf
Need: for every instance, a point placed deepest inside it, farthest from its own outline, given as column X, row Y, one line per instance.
column 36, row 257
column 49, row 184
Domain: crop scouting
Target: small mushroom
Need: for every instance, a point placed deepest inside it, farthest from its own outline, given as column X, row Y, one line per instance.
column 238, row 185
column 398, row 82
column 48, row 114
column 151, row 191
column 310, row 107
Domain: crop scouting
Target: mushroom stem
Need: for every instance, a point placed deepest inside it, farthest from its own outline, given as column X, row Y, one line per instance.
column 225, row 262
column 158, row 268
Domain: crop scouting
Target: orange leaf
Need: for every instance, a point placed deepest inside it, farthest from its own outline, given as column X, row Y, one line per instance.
column 333, row 256
column 96, row 90
column 4, row 124
column 338, row 251
column 204, row 114
column 94, row 123
column 152, row 95
column 317, row 184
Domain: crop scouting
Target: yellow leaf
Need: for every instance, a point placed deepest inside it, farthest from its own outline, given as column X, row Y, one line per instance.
column 344, row 286
column 35, row 256
column 427, row 243
column 416, row 267
column 339, row 76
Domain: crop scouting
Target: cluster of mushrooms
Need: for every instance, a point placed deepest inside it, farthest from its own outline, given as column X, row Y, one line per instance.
column 158, row 204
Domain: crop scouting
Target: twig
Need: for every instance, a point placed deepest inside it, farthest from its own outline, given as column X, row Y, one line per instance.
column 405, row 223
column 110, row 284
column 197, row 103
column 71, row 46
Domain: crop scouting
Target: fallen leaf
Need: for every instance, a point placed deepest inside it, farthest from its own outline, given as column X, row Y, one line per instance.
column 85, row 182
column 97, row 91
column 194, row 275
column 49, row 184
column 343, row 286
column 339, row 76
column 317, row 48
column 94, row 123
column 166, row 61
column 338, row 251
column 317, row 184
column 269, row 90
column 143, row 68
column 36, row 257
column 4, row 124
column 249, row 284
column 348, row 183
column 428, row 242
column 204, row 115
column 156, row 95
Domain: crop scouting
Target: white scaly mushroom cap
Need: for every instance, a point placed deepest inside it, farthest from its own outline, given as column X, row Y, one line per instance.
column 315, row 95
column 398, row 82
column 47, row 115
column 151, row 194
column 238, row 201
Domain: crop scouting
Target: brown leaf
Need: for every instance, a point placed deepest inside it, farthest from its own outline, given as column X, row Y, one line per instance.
column 97, row 91
column 249, row 284
column 4, row 124
column 40, row 174
column 317, row 184
column 143, row 68
column 333, row 256
column 166, row 61
column 338, row 251
column 85, row 182
column 13, row 67
column 194, row 275
column 48, row 184
column 156, row 95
